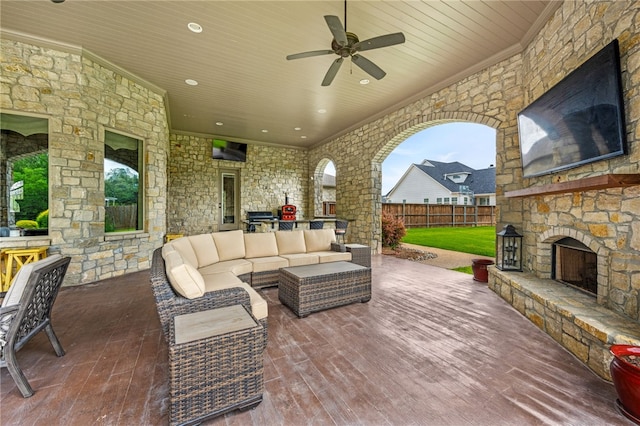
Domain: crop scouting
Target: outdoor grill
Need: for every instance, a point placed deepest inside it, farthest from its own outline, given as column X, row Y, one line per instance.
column 257, row 218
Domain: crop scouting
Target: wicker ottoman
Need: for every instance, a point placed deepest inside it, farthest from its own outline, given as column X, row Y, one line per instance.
column 312, row 288
column 215, row 364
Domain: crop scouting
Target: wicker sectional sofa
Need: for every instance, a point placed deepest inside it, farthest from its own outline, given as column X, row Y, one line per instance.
column 207, row 272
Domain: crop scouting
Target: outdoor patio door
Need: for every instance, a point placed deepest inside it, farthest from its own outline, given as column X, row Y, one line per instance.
column 229, row 215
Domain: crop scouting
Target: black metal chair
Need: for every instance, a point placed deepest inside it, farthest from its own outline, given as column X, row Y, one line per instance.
column 316, row 224
column 285, row 226
column 26, row 310
column 341, row 229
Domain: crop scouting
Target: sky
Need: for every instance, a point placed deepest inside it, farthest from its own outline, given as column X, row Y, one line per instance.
column 471, row 144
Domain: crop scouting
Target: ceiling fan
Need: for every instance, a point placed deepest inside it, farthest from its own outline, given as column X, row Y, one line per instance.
column 346, row 44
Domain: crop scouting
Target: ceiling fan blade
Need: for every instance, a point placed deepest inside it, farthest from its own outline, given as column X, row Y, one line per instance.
column 336, row 29
column 310, row 54
column 378, row 42
column 333, row 70
column 369, row 67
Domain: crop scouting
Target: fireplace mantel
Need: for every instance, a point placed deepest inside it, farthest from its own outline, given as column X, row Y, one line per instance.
column 584, row 184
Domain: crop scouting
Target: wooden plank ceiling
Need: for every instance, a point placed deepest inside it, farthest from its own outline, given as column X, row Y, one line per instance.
column 238, row 59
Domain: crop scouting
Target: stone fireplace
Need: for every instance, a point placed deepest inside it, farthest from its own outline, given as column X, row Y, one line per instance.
column 581, row 279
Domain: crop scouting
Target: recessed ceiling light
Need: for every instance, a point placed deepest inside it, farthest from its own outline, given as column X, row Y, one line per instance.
column 191, row 82
column 364, row 81
column 303, row 137
column 322, row 111
column 297, row 128
column 196, row 28
column 265, row 131
column 219, row 123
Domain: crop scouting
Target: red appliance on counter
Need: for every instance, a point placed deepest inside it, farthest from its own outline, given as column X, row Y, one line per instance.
column 288, row 211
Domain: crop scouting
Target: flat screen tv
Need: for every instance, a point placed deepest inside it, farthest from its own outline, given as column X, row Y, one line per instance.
column 227, row 150
column 578, row 121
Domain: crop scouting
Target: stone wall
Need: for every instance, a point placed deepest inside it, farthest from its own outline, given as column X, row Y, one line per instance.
column 81, row 99
column 194, row 182
column 605, row 220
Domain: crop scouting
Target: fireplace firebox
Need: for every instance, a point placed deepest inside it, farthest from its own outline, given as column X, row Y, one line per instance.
column 575, row 264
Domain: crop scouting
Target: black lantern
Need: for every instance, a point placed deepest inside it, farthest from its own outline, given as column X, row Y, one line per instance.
column 509, row 249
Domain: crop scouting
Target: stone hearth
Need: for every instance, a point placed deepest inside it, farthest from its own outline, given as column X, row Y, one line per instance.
column 571, row 317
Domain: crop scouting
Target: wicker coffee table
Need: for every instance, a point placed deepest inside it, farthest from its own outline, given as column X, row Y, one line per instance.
column 312, row 288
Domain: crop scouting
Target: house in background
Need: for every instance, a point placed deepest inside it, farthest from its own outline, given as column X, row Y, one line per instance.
column 434, row 182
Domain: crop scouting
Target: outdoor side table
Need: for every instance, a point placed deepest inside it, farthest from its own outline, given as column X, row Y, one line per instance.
column 360, row 254
column 16, row 259
column 171, row 237
column 215, row 364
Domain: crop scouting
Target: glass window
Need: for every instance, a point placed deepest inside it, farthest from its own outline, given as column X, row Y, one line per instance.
column 454, row 200
column 24, row 176
column 123, row 186
column 439, row 200
column 446, row 200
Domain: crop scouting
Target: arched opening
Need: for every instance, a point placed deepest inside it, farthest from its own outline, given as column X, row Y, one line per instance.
column 324, row 189
column 432, row 176
column 24, row 176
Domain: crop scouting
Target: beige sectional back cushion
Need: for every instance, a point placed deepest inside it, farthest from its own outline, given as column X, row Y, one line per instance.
column 183, row 246
column 184, row 278
column 205, row 249
column 230, row 245
column 260, row 245
column 318, row 239
column 290, row 242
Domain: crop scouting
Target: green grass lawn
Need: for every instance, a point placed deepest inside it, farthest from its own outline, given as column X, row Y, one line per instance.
column 479, row 240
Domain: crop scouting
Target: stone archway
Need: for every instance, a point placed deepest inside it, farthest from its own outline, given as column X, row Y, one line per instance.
column 487, row 97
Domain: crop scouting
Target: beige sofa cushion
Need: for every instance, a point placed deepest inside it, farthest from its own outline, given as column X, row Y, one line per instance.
column 300, row 259
column 260, row 245
column 184, row 278
column 230, row 244
column 319, row 239
column 224, row 280
column 166, row 249
column 183, row 246
column 269, row 263
column 290, row 242
column 205, row 249
column 333, row 256
column 19, row 282
column 236, row 266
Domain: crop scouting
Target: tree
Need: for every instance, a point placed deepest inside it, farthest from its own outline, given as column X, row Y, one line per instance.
column 122, row 184
column 34, row 172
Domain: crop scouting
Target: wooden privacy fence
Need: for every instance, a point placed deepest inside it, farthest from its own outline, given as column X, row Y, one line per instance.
column 436, row 215
column 122, row 217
